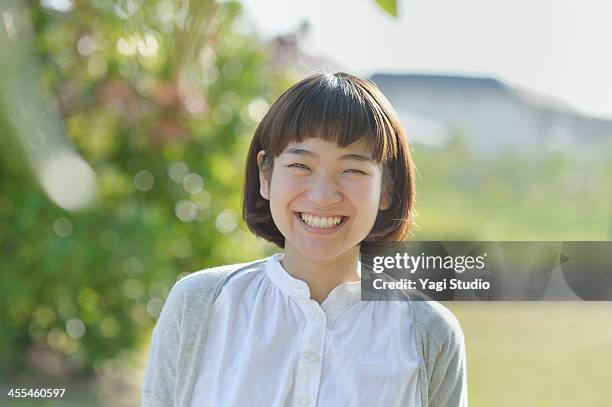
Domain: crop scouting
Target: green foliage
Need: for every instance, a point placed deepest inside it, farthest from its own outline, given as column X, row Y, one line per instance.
column 512, row 196
column 389, row 6
column 161, row 101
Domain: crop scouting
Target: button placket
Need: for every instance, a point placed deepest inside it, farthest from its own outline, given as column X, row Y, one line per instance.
column 309, row 365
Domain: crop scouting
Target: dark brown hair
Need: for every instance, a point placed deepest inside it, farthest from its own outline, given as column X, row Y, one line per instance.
column 339, row 108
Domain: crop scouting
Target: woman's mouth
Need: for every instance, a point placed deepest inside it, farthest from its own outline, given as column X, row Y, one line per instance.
column 321, row 222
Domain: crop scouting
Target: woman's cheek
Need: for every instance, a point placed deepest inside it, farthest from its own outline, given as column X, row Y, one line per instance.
column 285, row 190
column 283, row 180
column 294, row 186
column 360, row 190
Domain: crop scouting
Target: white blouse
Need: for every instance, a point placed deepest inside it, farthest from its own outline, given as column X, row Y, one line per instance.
column 269, row 344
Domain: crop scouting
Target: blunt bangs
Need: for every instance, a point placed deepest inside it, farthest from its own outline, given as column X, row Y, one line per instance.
column 332, row 108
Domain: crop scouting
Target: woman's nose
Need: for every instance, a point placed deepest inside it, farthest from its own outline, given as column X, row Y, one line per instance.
column 323, row 193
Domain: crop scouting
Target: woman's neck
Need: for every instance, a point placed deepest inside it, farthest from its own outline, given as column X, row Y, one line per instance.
column 322, row 276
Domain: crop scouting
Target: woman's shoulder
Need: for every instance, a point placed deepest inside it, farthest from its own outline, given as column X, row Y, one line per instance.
column 204, row 285
column 214, row 276
column 436, row 321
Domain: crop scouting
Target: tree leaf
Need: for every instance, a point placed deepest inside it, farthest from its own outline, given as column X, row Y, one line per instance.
column 389, row 6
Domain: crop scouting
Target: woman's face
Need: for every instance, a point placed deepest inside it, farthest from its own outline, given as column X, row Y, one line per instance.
column 324, row 199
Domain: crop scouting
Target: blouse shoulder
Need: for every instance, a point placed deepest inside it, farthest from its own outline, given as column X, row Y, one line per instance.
column 208, row 280
column 436, row 321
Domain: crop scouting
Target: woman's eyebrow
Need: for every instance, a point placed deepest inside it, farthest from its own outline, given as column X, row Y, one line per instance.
column 352, row 156
column 301, row 151
column 357, row 157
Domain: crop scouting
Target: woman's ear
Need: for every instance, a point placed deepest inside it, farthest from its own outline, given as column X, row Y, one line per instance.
column 264, row 175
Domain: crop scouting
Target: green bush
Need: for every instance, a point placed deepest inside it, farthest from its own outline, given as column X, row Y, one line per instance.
column 165, row 128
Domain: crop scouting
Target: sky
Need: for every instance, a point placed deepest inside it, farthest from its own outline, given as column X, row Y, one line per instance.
column 560, row 48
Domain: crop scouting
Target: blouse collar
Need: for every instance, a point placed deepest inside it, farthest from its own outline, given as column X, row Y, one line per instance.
column 339, row 298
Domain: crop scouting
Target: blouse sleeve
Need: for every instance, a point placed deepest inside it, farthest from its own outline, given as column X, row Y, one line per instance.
column 441, row 346
column 448, row 384
column 160, row 372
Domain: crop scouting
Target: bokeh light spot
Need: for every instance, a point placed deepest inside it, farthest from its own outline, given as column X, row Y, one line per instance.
column 127, row 8
column 62, row 227
column 195, row 104
column 201, row 199
column 75, row 328
column 185, row 211
column 154, row 307
column 86, row 46
column 226, row 221
column 133, row 289
column 193, row 183
column 63, row 6
column 210, row 74
column 177, row 171
column 147, row 46
column 144, row 180
column 257, row 109
column 132, row 266
column 125, row 47
column 158, row 290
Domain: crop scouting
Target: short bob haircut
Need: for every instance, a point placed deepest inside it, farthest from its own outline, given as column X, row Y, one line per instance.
column 338, row 108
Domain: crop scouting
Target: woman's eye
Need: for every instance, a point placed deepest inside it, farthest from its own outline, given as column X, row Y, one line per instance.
column 298, row 165
column 354, row 171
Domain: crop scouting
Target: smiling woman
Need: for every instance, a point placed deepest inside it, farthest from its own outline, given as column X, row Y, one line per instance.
column 337, row 120
column 328, row 176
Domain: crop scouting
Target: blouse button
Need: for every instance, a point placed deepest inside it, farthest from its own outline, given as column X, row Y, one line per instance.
column 303, row 401
column 311, row 357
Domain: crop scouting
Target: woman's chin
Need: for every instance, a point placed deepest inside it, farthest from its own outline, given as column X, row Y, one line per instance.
column 321, row 251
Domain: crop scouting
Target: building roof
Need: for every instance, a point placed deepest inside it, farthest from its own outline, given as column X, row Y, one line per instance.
column 454, row 82
column 528, row 98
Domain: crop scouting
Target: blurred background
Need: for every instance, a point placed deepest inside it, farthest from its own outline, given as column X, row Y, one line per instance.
column 123, row 130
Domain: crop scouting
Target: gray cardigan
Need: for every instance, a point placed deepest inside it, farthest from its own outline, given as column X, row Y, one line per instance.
column 178, row 341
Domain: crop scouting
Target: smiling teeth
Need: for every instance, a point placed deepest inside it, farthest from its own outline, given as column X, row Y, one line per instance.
column 321, row 222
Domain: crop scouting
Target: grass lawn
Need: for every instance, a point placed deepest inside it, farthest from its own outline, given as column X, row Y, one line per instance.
column 538, row 354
